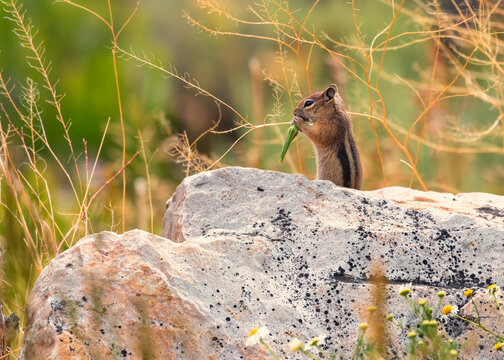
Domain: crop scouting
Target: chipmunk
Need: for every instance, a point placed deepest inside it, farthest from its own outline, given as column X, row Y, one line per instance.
column 323, row 119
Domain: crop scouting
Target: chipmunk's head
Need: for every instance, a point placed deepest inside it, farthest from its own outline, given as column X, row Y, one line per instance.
column 321, row 115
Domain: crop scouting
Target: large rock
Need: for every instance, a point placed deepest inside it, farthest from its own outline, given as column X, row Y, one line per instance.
column 242, row 248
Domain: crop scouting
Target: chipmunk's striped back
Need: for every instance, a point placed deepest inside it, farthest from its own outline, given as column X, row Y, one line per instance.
column 340, row 163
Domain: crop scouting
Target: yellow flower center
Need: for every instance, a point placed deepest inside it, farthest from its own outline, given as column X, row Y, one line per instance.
column 447, row 309
column 498, row 346
column 468, row 292
column 253, row 331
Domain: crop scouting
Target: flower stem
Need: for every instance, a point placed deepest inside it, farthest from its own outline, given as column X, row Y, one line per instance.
column 269, row 349
column 357, row 350
column 477, row 311
column 480, row 326
column 438, row 306
column 498, row 305
column 322, row 352
column 397, row 324
column 311, row 356
column 411, row 305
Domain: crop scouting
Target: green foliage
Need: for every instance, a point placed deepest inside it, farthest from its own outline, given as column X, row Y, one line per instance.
column 425, row 338
column 95, row 134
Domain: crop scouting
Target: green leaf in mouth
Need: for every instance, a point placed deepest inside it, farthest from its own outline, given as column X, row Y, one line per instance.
column 291, row 134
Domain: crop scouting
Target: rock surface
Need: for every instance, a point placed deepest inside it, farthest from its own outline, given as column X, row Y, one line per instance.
column 242, row 248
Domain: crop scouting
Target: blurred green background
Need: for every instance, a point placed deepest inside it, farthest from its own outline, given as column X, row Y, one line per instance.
column 234, row 70
column 78, row 46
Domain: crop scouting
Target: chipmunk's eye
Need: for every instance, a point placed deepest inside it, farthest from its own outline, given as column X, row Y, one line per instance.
column 308, row 103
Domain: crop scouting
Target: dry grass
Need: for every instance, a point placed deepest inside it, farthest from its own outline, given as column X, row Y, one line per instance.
column 466, row 51
column 28, row 184
column 465, row 64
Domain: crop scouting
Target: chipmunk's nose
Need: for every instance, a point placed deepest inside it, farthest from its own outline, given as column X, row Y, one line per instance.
column 294, row 119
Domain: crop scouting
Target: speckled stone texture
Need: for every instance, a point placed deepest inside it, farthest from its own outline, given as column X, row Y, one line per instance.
column 250, row 248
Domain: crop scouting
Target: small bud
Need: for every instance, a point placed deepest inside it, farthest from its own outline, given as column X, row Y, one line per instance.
column 441, row 294
column 468, row 292
column 412, row 334
column 422, row 302
column 371, row 308
column 389, row 317
column 429, row 323
column 363, row 326
column 453, row 352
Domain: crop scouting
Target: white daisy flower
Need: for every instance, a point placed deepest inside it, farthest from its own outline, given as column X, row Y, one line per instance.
column 256, row 335
column 492, row 289
column 405, row 289
column 449, row 310
column 296, row 345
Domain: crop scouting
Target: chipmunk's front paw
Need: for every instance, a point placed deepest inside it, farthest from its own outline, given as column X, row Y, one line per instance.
column 300, row 123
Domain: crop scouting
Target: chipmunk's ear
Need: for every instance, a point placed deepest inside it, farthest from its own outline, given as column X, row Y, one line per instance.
column 330, row 92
